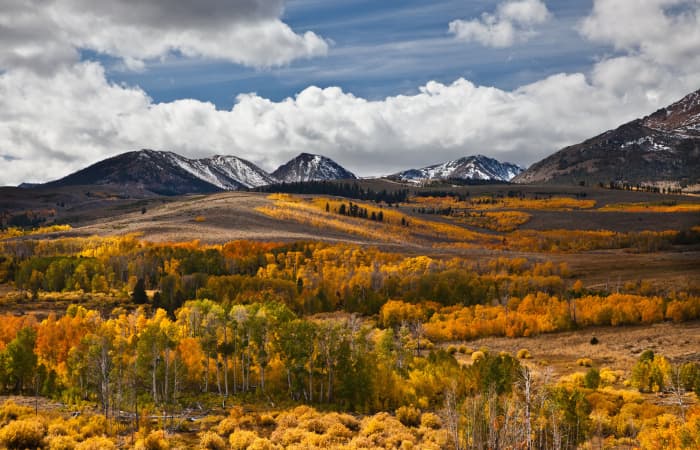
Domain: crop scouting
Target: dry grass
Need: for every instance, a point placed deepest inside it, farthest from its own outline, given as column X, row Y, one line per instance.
column 618, row 347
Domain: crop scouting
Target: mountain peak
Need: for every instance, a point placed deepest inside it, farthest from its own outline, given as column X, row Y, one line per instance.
column 682, row 116
column 311, row 167
column 165, row 172
column 476, row 167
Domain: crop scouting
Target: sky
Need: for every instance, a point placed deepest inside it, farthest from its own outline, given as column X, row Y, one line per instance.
column 377, row 86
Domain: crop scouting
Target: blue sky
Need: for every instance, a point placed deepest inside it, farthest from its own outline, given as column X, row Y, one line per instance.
column 379, row 49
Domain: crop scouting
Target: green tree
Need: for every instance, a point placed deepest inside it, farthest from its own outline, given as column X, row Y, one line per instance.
column 21, row 358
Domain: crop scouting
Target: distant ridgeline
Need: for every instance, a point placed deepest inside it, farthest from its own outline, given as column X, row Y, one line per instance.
column 348, row 190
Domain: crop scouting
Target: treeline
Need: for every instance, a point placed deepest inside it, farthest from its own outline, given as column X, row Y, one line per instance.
column 348, row 190
column 626, row 186
column 457, row 195
column 537, row 313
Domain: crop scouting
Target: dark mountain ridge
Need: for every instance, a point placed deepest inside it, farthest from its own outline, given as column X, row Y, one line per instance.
column 663, row 147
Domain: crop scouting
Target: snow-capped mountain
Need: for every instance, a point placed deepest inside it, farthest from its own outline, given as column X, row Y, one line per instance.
column 308, row 167
column 477, row 167
column 662, row 147
column 168, row 173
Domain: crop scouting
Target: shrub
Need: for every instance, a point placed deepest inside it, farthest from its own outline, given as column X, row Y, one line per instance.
column 95, row 426
column 209, row 440
column 431, row 420
column 286, row 437
column 266, row 420
column 155, row 440
column 314, row 425
column 608, row 376
column 584, row 362
column 592, row 379
column 60, row 442
column 12, row 411
column 524, row 353
column 383, row 430
column 96, row 443
column 338, row 431
column 349, row 421
column 22, row 434
column 574, row 379
column 59, row 429
column 463, row 349
column 241, row 439
column 236, row 412
column 408, row 415
column 477, row 355
column 227, row 426
column 262, row 444
column 451, row 349
column 247, row 422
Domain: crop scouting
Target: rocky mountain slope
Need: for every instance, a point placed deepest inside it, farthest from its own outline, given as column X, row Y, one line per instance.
column 663, row 147
column 168, row 173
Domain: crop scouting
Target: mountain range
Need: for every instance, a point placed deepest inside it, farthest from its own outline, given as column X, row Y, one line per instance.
column 167, row 173
column 659, row 148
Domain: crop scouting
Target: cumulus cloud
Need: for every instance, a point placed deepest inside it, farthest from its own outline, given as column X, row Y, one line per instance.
column 661, row 31
column 44, row 34
column 513, row 21
column 660, row 40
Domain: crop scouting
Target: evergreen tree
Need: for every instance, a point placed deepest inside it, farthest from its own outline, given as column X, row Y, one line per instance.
column 139, row 295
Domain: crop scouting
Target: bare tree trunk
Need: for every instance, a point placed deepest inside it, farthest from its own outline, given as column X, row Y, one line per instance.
column 451, row 415
column 526, row 382
column 218, row 377
column 166, row 378
column 262, row 377
column 678, row 390
column 330, row 385
column 206, row 374
column 311, row 383
column 154, row 362
column 225, row 362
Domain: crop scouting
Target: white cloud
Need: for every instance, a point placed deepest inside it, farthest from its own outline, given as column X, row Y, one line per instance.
column 513, row 21
column 41, row 34
column 661, row 31
column 660, row 40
